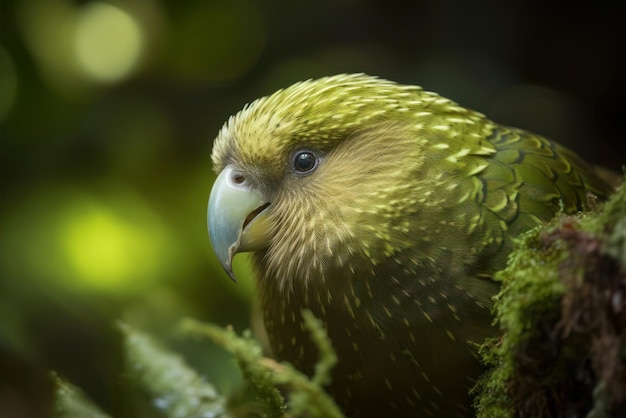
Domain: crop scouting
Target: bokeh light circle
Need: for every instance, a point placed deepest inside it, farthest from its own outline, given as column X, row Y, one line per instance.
column 108, row 42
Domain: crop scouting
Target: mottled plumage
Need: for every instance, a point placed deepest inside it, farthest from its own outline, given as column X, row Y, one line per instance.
column 391, row 236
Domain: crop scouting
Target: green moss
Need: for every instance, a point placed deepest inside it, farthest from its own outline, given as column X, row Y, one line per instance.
column 531, row 291
column 563, row 319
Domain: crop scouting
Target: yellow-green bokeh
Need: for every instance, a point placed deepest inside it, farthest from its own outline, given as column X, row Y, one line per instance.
column 108, row 41
column 86, row 241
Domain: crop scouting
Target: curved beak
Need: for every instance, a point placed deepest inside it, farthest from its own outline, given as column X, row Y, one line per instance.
column 236, row 217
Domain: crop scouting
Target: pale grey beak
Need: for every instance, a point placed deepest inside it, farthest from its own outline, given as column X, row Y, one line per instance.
column 236, row 217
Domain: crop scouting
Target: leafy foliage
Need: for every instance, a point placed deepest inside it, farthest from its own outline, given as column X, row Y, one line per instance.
column 264, row 374
column 177, row 391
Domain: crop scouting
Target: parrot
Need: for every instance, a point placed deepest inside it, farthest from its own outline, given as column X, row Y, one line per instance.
column 385, row 210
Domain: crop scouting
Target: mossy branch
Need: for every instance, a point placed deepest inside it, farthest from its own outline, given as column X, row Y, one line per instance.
column 263, row 374
column 249, row 355
column 562, row 310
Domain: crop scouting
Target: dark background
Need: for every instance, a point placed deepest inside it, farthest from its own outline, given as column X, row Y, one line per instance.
column 107, row 115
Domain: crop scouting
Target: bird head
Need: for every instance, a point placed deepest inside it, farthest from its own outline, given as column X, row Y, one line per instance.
column 319, row 173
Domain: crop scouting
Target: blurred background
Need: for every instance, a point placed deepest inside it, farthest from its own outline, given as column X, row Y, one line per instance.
column 108, row 110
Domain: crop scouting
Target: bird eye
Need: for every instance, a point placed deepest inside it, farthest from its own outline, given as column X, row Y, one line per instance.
column 305, row 161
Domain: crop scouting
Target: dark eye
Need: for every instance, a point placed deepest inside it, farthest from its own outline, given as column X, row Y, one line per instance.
column 304, row 161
